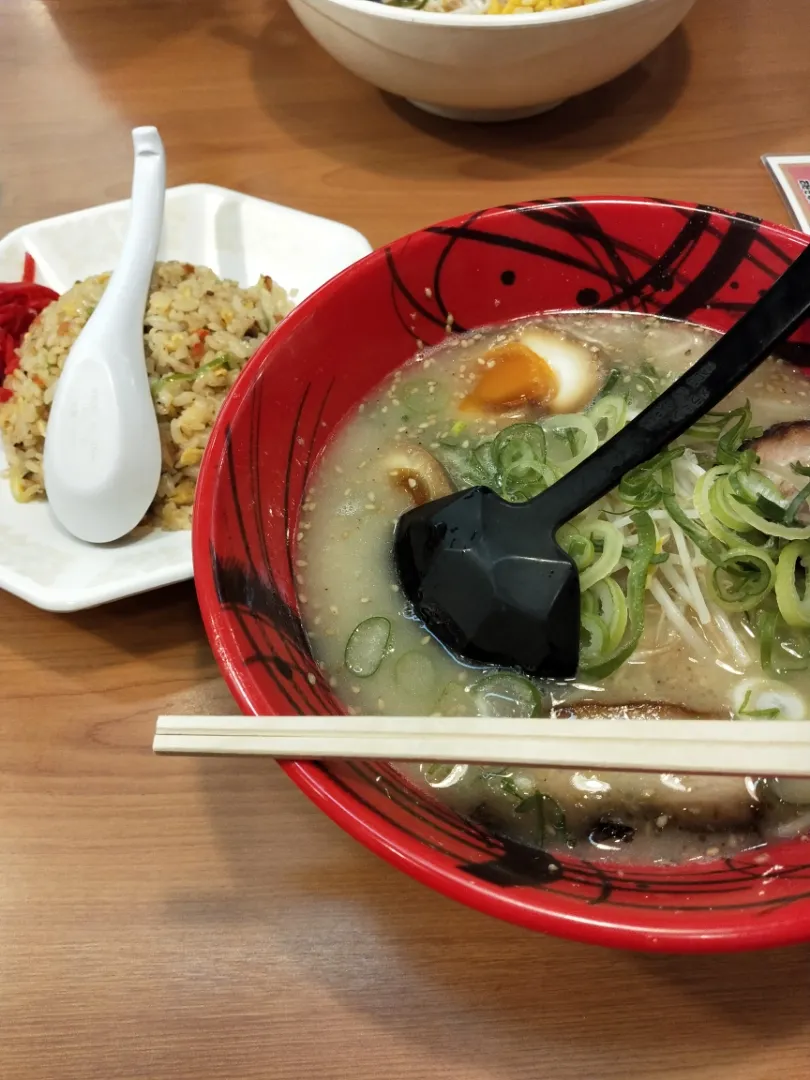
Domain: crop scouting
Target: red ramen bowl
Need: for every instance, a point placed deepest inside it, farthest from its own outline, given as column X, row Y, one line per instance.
column 686, row 262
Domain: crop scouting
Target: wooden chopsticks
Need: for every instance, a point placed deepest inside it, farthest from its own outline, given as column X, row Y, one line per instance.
column 738, row 747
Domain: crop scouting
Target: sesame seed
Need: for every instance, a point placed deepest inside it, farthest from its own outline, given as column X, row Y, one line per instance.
column 355, row 689
column 365, row 599
column 333, row 610
column 311, row 679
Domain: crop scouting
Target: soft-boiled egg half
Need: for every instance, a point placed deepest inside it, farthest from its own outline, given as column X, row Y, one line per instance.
column 540, row 367
column 417, row 472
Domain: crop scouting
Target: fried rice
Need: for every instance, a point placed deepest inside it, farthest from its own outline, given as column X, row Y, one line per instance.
column 199, row 331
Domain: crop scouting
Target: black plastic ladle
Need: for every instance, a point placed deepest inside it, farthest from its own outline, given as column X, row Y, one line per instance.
column 488, row 577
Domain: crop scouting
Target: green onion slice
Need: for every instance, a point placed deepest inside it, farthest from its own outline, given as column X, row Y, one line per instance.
column 793, row 565
column 608, row 415
column 505, row 694
column 742, row 578
column 573, row 438
column 636, row 594
column 518, row 454
column 367, row 646
column 609, row 557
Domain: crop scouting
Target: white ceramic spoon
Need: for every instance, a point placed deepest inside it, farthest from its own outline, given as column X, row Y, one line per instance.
column 102, row 447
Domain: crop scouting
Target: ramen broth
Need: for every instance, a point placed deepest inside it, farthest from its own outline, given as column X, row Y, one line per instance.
column 448, row 419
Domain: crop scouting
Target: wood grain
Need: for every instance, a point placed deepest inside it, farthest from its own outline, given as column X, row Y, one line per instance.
column 200, row 919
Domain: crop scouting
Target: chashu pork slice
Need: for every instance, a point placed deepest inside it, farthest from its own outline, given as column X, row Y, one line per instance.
column 692, row 802
column 781, row 447
column 784, row 444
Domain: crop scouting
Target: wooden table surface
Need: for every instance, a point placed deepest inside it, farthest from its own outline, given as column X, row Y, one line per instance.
column 200, row 919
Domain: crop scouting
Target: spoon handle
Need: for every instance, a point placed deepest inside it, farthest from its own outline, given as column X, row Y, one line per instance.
column 129, row 284
column 739, row 352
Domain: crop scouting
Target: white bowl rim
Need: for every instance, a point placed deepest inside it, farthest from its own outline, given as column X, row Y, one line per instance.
column 378, row 9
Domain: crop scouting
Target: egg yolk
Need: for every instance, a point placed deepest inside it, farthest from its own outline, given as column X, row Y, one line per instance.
column 514, row 375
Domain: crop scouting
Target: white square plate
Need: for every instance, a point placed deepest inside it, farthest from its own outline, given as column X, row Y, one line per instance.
column 239, row 237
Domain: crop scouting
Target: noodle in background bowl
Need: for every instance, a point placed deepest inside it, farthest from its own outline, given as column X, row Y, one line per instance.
column 489, row 67
column 614, row 254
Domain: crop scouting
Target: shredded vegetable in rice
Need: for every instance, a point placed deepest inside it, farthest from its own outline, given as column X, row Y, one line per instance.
column 199, row 331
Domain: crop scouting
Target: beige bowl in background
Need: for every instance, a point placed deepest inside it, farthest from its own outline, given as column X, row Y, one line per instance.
column 489, row 67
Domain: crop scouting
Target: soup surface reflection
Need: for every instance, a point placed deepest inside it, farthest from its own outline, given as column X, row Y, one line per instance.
column 692, row 572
